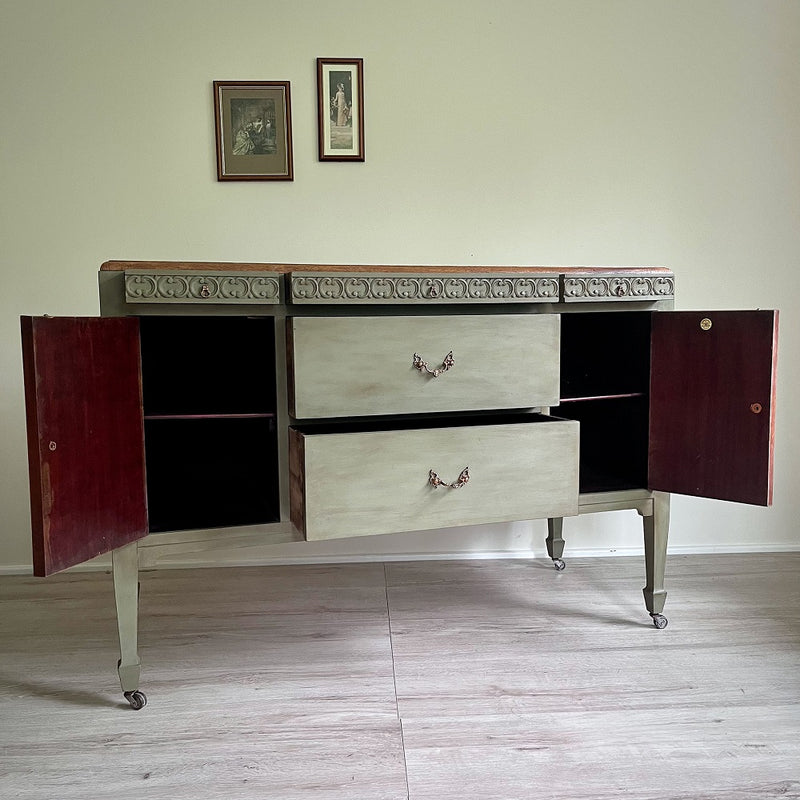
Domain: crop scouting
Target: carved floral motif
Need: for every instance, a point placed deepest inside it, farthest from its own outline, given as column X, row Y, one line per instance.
column 406, row 288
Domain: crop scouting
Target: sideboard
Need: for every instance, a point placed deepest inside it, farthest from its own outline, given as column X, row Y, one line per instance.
column 218, row 402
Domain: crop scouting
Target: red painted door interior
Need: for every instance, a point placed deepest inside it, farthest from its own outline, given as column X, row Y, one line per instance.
column 85, row 437
column 712, row 404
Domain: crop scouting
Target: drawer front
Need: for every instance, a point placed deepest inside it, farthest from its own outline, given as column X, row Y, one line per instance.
column 184, row 286
column 354, row 366
column 618, row 285
column 359, row 484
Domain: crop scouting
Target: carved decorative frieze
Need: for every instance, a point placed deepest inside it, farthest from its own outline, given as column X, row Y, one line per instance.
column 182, row 286
column 614, row 286
column 338, row 288
column 206, row 287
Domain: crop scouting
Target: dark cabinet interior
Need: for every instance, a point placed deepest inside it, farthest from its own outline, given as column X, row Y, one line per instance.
column 208, row 365
column 613, row 442
column 605, row 376
column 605, row 354
column 208, row 387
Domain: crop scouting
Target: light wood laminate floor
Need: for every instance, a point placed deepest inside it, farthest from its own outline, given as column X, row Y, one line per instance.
column 471, row 680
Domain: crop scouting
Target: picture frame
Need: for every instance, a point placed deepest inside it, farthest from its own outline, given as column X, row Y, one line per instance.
column 253, row 123
column 340, row 103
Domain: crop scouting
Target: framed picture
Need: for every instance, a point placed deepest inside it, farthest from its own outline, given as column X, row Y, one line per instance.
column 254, row 130
column 340, row 96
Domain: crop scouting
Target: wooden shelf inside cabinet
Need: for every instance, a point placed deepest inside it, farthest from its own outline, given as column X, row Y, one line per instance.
column 601, row 397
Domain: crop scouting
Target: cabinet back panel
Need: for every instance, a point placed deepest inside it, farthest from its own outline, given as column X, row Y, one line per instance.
column 208, row 365
column 210, row 473
column 605, row 353
column 613, row 445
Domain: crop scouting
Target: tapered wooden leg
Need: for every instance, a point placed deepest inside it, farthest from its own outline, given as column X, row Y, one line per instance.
column 125, row 562
column 656, row 531
column 555, row 541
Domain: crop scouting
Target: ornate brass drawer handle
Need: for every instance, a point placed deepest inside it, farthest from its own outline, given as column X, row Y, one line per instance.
column 422, row 366
column 436, row 481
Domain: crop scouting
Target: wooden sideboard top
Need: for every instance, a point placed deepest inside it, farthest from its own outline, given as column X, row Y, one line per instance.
column 172, row 266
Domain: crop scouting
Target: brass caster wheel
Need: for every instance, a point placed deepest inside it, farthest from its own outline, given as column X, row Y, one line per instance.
column 137, row 699
column 559, row 565
column 659, row 620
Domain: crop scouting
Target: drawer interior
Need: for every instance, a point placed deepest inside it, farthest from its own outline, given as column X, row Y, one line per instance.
column 434, row 421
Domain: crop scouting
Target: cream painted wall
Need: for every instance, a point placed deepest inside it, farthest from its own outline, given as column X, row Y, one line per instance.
column 529, row 132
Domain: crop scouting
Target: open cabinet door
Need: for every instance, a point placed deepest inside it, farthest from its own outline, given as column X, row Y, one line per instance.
column 712, row 404
column 83, row 400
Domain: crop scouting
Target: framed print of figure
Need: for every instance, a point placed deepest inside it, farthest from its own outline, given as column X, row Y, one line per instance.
column 340, row 96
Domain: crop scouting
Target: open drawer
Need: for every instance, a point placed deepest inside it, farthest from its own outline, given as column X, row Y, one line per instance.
column 360, row 482
column 364, row 366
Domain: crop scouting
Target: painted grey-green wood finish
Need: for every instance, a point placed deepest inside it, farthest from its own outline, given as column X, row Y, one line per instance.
column 615, row 286
column 345, row 367
column 656, row 530
column 359, row 484
column 125, row 563
column 203, row 287
column 550, row 478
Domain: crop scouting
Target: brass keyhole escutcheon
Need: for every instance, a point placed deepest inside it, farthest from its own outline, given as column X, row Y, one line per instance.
column 756, row 408
column 204, row 290
column 52, row 446
column 706, row 324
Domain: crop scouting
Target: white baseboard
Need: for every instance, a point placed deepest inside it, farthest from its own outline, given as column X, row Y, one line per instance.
column 238, row 559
